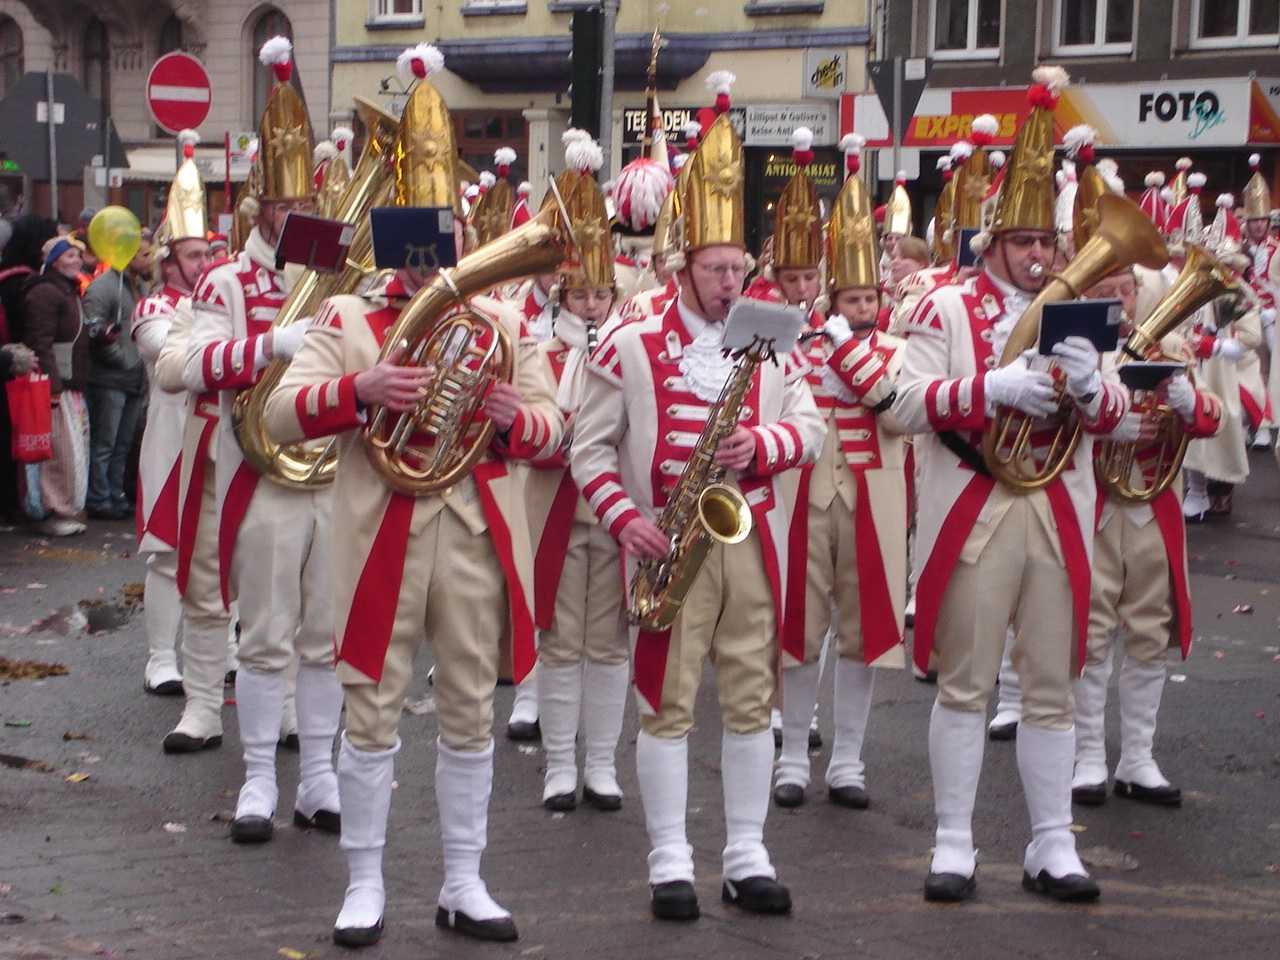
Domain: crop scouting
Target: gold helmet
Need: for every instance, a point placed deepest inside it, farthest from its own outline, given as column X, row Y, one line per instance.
column 591, row 264
column 851, row 232
column 284, row 133
column 797, row 219
column 332, row 182
column 897, row 212
column 1027, row 194
column 425, row 151
column 1257, row 195
column 1082, row 219
column 186, row 213
column 940, row 244
column 491, row 216
column 974, row 178
column 713, row 180
column 1179, row 186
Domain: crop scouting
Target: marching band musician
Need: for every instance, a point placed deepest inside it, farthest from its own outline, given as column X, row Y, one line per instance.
column 1260, row 247
column 181, row 253
column 583, row 648
column 656, row 300
column 847, row 571
column 992, row 557
column 453, row 567
column 1140, row 597
column 273, row 542
column 651, row 386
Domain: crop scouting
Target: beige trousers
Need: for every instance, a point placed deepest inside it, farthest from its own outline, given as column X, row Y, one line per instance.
column 463, row 613
column 1017, row 579
column 1131, row 598
column 590, row 621
column 832, row 579
column 728, row 615
column 203, row 599
column 281, row 577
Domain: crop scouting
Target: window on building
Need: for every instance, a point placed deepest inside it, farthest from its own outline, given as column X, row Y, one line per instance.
column 95, row 61
column 965, row 29
column 1218, row 23
column 271, row 23
column 1094, row 26
column 10, row 54
column 170, row 39
column 393, row 10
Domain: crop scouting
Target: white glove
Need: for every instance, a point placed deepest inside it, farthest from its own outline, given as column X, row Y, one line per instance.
column 1022, row 388
column 285, row 341
column 1079, row 361
column 1229, row 349
column 837, row 330
column 1268, row 316
column 1128, row 429
column 1181, row 395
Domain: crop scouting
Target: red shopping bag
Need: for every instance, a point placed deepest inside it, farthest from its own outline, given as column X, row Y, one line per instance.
column 30, row 412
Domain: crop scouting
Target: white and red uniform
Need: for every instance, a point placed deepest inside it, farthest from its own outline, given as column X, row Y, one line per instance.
column 1223, row 457
column 911, row 288
column 633, row 266
column 536, row 310
column 651, row 302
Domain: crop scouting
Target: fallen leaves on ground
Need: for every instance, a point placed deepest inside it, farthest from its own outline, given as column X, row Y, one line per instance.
column 133, row 592
column 1243, row 608
column 16, row 762
column 174, row 827
column 17, row 723
column 427, row 705
column 1109, row 858
column 30, row 669
column 291, row 954
column 76, row 736
column 77, row 777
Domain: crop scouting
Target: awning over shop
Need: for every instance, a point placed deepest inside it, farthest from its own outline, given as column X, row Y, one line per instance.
column 159, row 163
column 1173, row 114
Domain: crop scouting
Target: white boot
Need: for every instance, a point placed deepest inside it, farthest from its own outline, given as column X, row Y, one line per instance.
column 1262, row 439
column 1137, row 774
column 319, row 701
column 559, row 706
column 750, row 882
column 1089, row 782
column 799, row 690
column 846, row 773
column 233, row 641
column 203, row 659
column 956, row 745
column 1004, row 725
column 604, row 701
column 162, row 611
column 662, row 766
column 364, row 783
column 1051, row 865
column 289, row 712
column 523, row 722
column 464, row 782
column 1195, row 499
column 259, row 700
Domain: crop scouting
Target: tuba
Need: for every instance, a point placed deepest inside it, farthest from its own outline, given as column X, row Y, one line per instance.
column 434, row 447
column 1139, row 472
column 1124, row 237
column 301, row 466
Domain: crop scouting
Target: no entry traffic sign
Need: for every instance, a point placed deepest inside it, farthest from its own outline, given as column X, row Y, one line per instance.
column 178, row 92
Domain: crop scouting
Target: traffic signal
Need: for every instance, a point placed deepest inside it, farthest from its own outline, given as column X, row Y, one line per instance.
column 587, row 59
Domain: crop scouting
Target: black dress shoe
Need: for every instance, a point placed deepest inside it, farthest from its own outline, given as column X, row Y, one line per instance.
column 229, row 679
column 674, row 900
column 1005, row 731
column 777, row 738
column 325, row 821
column 176, row 742
column 815, row 738
column 170, row 688
column 1073, row 888
column 757, row 895
column 562, row 802
column 290, row 741
column 1090, row 795
column 950, row 887
column 358, row 936
column 251, row 829
column 788, row 795
column 522, row 731
column 608, row 802
column 1168, row 796
column 500, row 929
column 855, row 798
column 105, row 513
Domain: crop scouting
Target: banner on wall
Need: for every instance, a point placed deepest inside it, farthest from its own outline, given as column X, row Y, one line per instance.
column 1173, row 114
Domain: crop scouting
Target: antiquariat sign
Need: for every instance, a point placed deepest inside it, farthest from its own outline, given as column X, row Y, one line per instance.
column 1174, row 114
column 825, row 171
column 770, row 124
column 825, row 73
column 635, row 120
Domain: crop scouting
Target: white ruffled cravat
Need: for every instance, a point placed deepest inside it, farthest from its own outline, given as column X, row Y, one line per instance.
column 703, row 364
column 572, row 332
column 1016, row 302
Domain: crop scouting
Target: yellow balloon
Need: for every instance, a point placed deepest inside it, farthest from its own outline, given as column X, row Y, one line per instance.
column 115, row 236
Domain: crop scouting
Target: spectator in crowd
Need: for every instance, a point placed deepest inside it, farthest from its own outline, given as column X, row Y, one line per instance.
column 117, row 382
column 91, row 267
column 16, row 360
column 19, row 263
column 54, row 491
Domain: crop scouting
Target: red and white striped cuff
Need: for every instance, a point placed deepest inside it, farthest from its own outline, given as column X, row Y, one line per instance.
column 778, row 448
column 610, row 503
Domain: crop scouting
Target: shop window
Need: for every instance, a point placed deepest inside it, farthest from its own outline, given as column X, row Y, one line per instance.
column 1094, row 26
column 170, row 40
column 95, row 61
column 398, row 12
column 270, row 23
column 11, row 56
column 964, row 29
column 1230, row 23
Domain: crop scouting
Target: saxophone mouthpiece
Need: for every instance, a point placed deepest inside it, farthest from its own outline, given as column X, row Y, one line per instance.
column 1036, row 270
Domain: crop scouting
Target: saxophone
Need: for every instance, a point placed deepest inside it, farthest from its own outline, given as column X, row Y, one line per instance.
column 702, row 509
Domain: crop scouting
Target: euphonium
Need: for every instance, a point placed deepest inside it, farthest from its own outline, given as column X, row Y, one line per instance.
column 1124, row 237
column 702, row 509
column 429, row 449
column 299, row 466
column 1139, row 472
